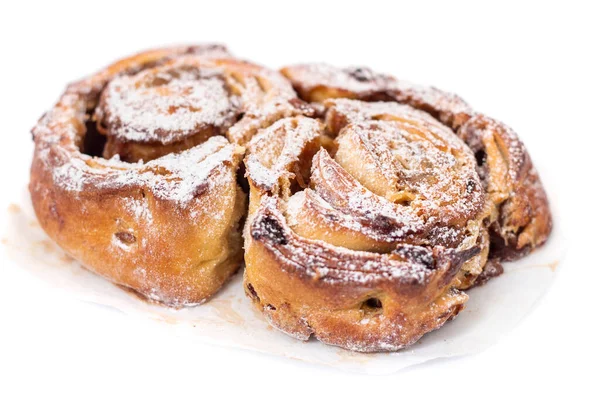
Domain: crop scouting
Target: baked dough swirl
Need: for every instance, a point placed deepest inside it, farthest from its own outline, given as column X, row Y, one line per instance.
column 365, row 225
column 362, row 249
column 161, row 211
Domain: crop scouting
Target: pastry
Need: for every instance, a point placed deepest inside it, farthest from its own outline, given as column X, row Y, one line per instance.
column 135, row 168
column 366, row 225
column 359, row 248
column 368, row 205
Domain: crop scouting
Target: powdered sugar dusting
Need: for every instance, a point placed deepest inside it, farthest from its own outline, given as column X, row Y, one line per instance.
column 167, row 104
column 278, row 148
column 406, row 153
column 352, row 79
column 70, row 176
column 315, row 81
column 330, row 264
column 174, row 177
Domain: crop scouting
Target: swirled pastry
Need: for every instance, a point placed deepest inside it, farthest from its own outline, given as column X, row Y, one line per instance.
column 362, row 249
column 364, row 227
column 521, row 218
column 160, row 213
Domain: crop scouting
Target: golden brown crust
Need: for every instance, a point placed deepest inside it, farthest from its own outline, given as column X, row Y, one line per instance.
column 361, row 249
column 167, row 226
column 523, row 219
column 357, row 300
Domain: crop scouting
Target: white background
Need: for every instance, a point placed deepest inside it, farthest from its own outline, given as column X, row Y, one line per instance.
column 535, row 67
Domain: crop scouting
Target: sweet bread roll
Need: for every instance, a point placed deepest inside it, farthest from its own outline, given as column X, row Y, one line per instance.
column 370, row 210
column 160, row 212
column 366, row 224
column 363, row 241
column 520, row 219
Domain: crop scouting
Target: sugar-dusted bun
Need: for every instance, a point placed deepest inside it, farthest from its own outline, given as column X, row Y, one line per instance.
column 365, row 241
column 160, row 213
column 366, row 225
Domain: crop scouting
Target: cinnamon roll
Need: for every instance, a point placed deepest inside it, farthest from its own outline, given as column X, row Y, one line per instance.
column 135, row 168
column 366, row 225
